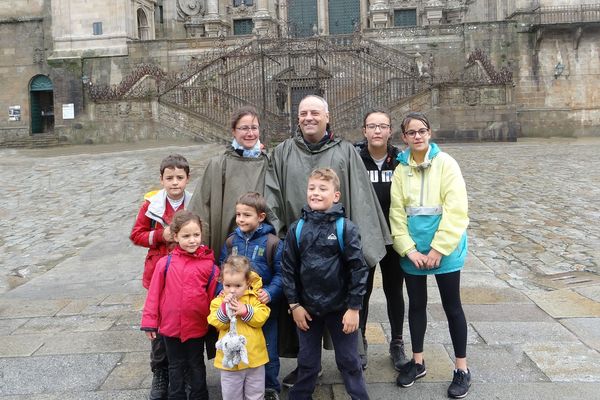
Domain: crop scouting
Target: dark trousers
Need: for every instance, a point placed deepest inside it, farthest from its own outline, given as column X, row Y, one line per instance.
column 392, row 277
column 187, row 355
column 449, row 287
column 272, row 367
column 158, row 354
column 346, row 358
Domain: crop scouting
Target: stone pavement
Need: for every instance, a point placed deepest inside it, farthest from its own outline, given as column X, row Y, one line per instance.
column 70, row 292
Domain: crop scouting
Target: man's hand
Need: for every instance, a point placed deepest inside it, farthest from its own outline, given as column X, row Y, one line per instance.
column 350, row 321
column 263, row 296
column 301, row 318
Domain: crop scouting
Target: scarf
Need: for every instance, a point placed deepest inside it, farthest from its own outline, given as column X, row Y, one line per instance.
column 250, row 153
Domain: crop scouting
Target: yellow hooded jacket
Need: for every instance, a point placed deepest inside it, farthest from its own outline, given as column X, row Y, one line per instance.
column 250, row 326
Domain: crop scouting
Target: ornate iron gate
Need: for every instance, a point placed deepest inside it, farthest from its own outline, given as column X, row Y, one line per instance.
column 352, row 73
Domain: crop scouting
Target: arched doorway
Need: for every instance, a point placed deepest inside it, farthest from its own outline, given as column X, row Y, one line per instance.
column 143, row 26
column 41, row 100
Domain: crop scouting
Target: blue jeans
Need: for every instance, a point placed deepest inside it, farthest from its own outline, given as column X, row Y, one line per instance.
column 272, row 367
column 346, row 357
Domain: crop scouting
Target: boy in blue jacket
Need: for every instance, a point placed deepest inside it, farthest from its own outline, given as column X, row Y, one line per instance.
column 324, row 279
column 254, row 238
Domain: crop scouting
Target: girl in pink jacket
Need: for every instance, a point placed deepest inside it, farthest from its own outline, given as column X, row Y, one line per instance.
column 178, row 302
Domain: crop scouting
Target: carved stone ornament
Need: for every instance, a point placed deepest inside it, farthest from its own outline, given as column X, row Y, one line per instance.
column 189, row 7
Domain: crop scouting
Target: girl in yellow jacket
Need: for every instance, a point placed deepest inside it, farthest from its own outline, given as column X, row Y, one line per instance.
column 428, row 220
column 246, row 379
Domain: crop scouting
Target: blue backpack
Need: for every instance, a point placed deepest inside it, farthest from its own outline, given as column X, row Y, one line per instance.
column 339, row 229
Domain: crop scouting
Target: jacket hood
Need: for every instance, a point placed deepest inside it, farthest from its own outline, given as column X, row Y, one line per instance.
column 255, row 282
column 337, row 210
column 432, row 152
column 299, row 140
column 263, row 229
column 392, row 151
column 202, row 252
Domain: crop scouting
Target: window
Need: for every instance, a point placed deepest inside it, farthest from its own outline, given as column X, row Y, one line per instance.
column 237, row 3
column 97, row 28
column 243, row 26
column 405, row 17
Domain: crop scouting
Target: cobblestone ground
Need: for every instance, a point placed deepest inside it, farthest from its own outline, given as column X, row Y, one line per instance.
column 57, row 201
column 534, row 204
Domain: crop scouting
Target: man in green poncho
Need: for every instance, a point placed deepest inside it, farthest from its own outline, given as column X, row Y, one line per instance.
column 292, row 162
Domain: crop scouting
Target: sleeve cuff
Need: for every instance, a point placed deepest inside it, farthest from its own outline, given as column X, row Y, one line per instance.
column 249, row 313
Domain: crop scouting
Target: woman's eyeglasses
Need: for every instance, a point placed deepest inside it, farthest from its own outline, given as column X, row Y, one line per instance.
column 246, row 129
column 372, row 127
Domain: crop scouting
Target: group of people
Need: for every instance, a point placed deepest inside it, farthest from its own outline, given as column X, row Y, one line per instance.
column 277, row 253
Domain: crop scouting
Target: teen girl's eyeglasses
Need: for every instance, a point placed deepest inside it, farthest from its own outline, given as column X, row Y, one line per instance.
column 421, row 132
column 372, row 127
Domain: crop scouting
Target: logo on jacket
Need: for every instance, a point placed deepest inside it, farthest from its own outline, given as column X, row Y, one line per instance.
column 332, row 237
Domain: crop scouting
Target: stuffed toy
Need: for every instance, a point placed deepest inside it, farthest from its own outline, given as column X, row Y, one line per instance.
column 231, row 344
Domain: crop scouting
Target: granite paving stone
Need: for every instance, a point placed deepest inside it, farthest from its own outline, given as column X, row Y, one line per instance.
column 94, row 342
column 30, row 375
column 497, row 332
column 565, row 303
column 586, row 329
column 565, row 362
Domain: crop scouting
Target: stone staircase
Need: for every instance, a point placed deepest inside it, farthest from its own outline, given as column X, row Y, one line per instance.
column 37, row 140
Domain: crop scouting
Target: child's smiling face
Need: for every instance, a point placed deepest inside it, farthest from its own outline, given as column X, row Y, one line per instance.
column 321, row 194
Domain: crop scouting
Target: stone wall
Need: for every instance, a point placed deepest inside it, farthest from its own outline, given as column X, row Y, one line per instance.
column 553, row 101
column 22, row 58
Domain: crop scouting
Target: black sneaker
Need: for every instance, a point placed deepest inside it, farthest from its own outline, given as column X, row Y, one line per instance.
column 271, row 394
column 290, row 379
column 160, row 384
column 461, row 382
column 410, row 372
column 398, row 354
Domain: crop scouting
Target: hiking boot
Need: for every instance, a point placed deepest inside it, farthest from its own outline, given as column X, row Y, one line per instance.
column 160, row 384
column 271, row 394
column 410, row 372
column 461, row 382
column 363, row 357
column 398, row 354
column 290, row 379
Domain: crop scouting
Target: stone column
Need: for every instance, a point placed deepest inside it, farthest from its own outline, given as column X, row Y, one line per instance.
column 380, row 12
column 213, row 24
column 264, row 25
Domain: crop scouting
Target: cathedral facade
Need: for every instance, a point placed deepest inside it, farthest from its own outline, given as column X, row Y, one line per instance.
column 84, row 72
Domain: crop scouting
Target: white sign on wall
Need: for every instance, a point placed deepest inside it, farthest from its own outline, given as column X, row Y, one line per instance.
column 68, row 111
column 14, row 113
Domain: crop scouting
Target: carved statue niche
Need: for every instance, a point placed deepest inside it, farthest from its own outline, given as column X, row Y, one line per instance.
column 188, row 8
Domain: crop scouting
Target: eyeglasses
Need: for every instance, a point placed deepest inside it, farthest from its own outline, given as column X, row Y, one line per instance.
column 246, row 129
column 421, row 132
column 372, row 127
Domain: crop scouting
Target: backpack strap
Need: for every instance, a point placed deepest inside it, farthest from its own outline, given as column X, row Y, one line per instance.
column 339, row 229
column 229, row 244
column 272, row 243
column 167, row 265
column 299, row 231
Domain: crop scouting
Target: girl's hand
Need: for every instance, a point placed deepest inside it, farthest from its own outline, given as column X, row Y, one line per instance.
column 263, row 296
column 419, row 259
column 350, row 321
column 301, row 318
column 227, row 298
column 239, row 308
column 434, row 258
column 151, row 335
